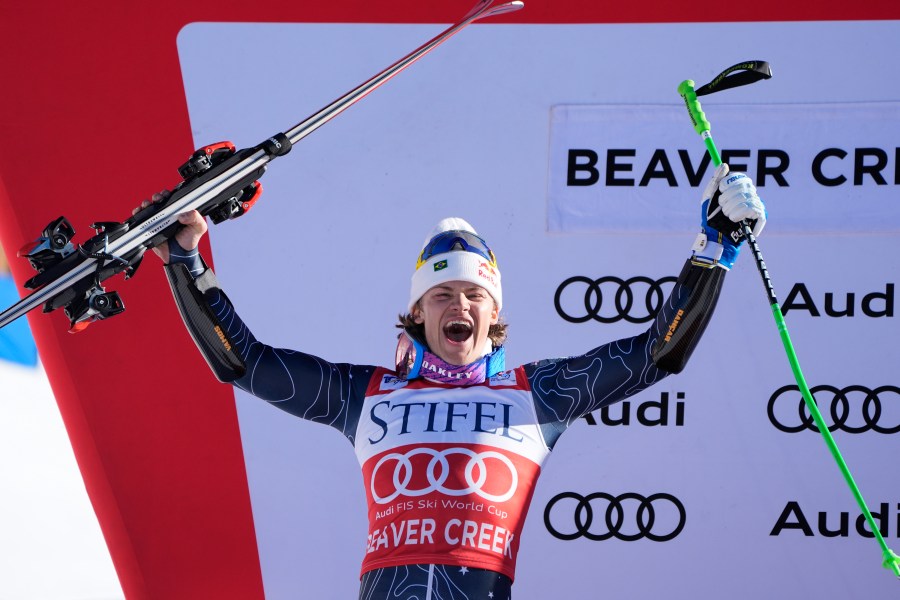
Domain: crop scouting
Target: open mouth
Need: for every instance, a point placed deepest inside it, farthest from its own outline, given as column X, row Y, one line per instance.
column 458, row 331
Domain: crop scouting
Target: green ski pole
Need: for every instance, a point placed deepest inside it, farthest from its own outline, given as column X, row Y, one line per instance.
column 743, row 74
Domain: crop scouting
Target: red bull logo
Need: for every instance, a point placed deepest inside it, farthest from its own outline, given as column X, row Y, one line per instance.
column 488, row 272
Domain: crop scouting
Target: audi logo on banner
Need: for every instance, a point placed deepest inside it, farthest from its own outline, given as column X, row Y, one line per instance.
column 853, row 409
column 438, row 470
column 610, row 299
column 628, row 517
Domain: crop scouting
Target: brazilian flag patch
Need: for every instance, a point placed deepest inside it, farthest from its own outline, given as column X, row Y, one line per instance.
column 440, row 265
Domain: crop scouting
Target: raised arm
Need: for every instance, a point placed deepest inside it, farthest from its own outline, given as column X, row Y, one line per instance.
column 296, row 382
column 299, row 383
column 569, row 388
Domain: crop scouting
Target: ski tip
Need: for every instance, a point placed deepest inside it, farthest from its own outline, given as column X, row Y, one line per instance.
column 508, row 7
column 502, row 8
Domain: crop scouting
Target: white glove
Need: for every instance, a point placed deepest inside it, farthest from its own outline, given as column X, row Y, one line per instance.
column 738, row 199
column 727, row 201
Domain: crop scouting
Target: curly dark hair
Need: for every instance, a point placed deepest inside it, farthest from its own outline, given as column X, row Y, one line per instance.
column 496, row 333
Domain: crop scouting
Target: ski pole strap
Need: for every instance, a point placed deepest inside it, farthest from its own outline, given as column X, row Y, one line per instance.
column 740, row 74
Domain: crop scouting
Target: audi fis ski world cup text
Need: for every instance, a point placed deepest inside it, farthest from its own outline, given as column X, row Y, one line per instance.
column 470, row 507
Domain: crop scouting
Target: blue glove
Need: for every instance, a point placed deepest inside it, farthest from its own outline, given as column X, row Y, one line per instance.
column 727, row 201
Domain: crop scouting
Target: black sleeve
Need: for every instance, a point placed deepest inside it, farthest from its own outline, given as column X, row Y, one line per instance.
column 301, row 384
column 684, row 326
column 569, row 388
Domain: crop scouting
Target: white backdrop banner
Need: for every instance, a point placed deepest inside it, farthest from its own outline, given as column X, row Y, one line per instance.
column 718, row 492
column 626, row 167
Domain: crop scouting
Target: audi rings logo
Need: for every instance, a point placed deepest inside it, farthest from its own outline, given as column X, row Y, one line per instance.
column 853, row 409
column 658, row 517
column 438, row 470
column 594, row 296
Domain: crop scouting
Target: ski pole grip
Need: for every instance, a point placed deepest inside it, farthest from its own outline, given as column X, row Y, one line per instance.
column 698, row 118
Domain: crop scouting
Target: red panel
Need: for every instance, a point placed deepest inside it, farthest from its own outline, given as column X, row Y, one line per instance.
column 93, row 119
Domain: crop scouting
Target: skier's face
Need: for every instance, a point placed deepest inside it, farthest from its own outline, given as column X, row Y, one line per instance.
column 457, row 316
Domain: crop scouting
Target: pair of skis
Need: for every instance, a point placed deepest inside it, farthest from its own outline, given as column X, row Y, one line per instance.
column 218, row 181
